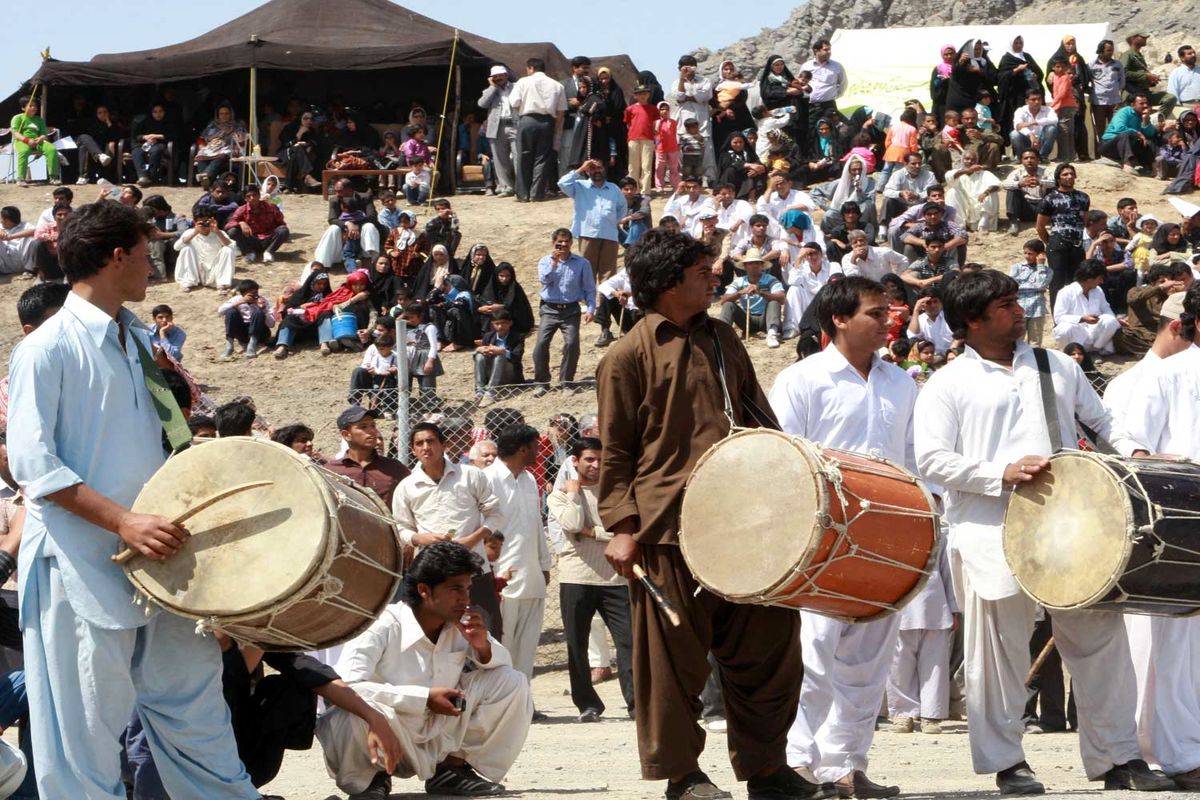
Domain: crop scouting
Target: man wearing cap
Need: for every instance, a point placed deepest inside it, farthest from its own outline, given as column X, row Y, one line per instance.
column 1147, row 306
column 501, row 128
column 362, row 462
column 756, row 293
column 1184, row 81
column 540, row 102
column 599, row 207
column 1139, row 78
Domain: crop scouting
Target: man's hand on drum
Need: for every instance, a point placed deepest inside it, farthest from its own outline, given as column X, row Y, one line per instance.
column 623, row 552
column 1024, row 469
column 155, row 537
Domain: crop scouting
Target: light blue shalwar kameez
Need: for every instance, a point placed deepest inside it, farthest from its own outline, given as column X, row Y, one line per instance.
column 79, row 411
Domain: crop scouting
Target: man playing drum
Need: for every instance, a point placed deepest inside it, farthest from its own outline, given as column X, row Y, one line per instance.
column 1161, row 415
column 981, row 429
column 663, row 402
column 846, row 397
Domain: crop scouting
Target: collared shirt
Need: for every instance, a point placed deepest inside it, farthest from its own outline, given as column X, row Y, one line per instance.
column 390, row 217
column 687, row 211
column 525, row 551
column 619, row 283
column 1072, row 304
column 1026, row 122
column 581, row 558
column 661, row 408
column 946, row 228
column 538, row 94
column 802, row 279
column 460, row 503
column 1108, row 81
column 172, row 343
column 1184, row 83
column 263, row 218
column 1165, row 407
column 1033, row 194
column 828, row 80
column 381, row 474
column 824, row 399
column 683, row 109
column 376, row 363
column 571, row 281
column 902, row 181
column 81, row 413
column 393, row 663
column 1032, row 283
column 758, row 304
column 975, row 417
column 879, row 262
column 1118, row 395
column 773, row 205
column 913, row 214
column 936, row 331
column 597, row 208
column 735, row 212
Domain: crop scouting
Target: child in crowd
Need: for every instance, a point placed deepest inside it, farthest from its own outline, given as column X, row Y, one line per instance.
column 983, row 109
column 167, row 335
column 1137, row 252
column 351, row 213
column 389, row 217
column 952, row 137
column 896, row 352
column 421, row 348
column 390, row 157
column 929, row 137
column 730, row 89
column 416, row 148
column 374, row 379
column 898, row 311
column 691, row 148
column 417, row 183
column 918, row 362
column 1170, row 156
column 639, row 118
column 493, row 543
column 1033, row 278
column 498, row 358
column 666, row 149
column 901, row 140
column 248, row 318
column 1062, row 101
column 407, row 247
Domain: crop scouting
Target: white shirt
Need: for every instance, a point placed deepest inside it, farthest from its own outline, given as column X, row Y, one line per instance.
column 825, row 399
column 206, row 246
column 974, row 418
column 418, row 178
column 1072, row 304
column 1024, row 119
column 618, row 283
column 773, row 205
column 538, row 94
column 879, row 262
column 737, row 211
column 683, row 109
column 1168, row 406
column 687, row 211
column 901, row 181
column 378, row 364
column 459, row 503
column 828, row 80
column 525, row 551
column 1120, row 390
column 394, row 663
column 936, row 331
column 807, row 283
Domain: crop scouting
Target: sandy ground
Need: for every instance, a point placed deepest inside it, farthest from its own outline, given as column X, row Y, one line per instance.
column 592, row 760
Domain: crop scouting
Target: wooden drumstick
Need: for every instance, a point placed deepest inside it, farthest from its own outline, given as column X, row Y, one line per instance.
column 660, row 599
column 125, row 556
column 1039, row 661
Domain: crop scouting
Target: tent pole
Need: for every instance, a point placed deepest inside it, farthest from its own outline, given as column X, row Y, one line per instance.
column 439, row 157
column 454, row 127
column 252, row 150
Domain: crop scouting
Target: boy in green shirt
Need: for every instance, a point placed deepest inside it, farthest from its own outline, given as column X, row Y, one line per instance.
column 30, row 134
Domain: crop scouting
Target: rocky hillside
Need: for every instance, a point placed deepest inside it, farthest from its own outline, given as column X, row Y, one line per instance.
column 1166, row 20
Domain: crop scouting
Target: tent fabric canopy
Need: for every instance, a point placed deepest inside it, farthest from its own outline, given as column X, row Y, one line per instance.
column 307, row 35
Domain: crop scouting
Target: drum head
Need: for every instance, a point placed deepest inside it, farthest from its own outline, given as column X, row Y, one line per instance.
column 1066, row 533
column 245, row 552
column 739, row 542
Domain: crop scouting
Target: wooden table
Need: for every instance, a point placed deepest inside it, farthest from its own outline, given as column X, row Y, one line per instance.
column 330, row 175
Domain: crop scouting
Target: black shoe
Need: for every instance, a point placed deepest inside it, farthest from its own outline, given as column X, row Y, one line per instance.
column 696, row 786
column 379, row 788
column 1018, row 779
column 1138, row 776
column 605, row 339
column 539, row 716
column 589, row 715
column 857, row 784
column 785, row 784
column 461, row 781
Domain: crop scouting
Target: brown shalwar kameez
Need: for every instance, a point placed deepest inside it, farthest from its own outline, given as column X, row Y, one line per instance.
column 661, row 408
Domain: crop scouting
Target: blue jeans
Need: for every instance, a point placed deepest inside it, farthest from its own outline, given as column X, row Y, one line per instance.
column 1048, row 136
column 14, row 707
column 147, row 785
column 416, row 195
column 324, row 333
column 629, row 237
column 350, row 253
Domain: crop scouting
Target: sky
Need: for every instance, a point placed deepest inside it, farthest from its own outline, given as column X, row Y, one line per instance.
column 650, row 33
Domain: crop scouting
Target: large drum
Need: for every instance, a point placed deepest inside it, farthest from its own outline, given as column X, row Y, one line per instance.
column 1108, row 533
column 773, row 519
column 304, row 563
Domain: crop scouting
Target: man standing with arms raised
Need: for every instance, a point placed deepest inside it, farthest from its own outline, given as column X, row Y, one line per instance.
column 541, row 102
column 599, row 206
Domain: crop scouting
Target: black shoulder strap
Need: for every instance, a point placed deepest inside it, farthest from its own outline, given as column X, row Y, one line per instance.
column 751, row 409
column 1048, row 403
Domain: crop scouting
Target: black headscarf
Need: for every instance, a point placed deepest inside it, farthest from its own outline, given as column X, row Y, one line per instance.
column 966, row 82
column 512, row 297
column 383, row 288
column 728, row 157
column 479, row 279
column 1010, row 94
column 773, row 88
column 1160, row 244
column 646, row 78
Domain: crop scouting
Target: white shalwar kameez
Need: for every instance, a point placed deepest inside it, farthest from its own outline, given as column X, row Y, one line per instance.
column 204, row 261
column 329, row 248
column 824, row 399
column 392, row 666
column 963, row 193
column 918, row 682
column 1161, row 415
column 974, row 417
column 1071, row 306
column 803, row 285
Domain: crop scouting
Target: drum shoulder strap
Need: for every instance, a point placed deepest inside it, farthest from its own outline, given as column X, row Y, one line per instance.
column 750, row 408
column 1049, row 405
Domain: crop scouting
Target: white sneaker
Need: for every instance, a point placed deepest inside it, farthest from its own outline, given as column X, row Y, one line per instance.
column 268, row 257
column 772, row 338
column 716, row 726
column 12, row 769
column 81, row 181
column 250, row 257
column 104, row 158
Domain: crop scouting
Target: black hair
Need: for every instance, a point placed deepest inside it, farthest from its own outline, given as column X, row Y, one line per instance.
column 234, row 419
column 561, row 232
column 441, row 202
column 37, row 302
column 757, row 219
column 161, row 308
column 1036, row 245
column 900, row 348
column 1056, row 61
column 417, row 307
column 909, row 115
column 1166, row 269
column 247, row 285
column 1031, row 150
column 434, row 565
column 1125, row 202
column 1103, row 42
column 513, row 438
column 12, row 214
column 1061, row 168
column 502, row 314
column 253, row 189
column 930, row 238
column 910, row 156
column 658, row 261
column 426, row 426
column 1090, row 270
column 1183, row 49
column 661, row 222
column 586, row 443
column 64, row 191
column 850, row 205
column 1191, row 311
column 931, row 291
column 179, row 388
column 204, row 212
column 687, row 60
column 158, row 203
column 91, row 234
column 1086, row 364
column 133, row 190
column 493, row 536
column 1035, row 93
column 536, row 64
column 627, row 181
column 967, row 298
column 1094, row 216
column 580, row 61
column 935, row 187
column 842, row 299
column 819, row 43
column 198, row 422
column 723, row 186
column 288, row 434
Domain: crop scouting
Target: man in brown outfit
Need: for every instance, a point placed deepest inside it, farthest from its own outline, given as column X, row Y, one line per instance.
column 661, row 408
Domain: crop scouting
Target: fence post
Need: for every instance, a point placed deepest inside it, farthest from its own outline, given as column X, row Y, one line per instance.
column 402, row 388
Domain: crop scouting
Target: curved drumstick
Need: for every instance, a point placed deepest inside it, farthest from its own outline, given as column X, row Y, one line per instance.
column 125, row 556
column 660, row 599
